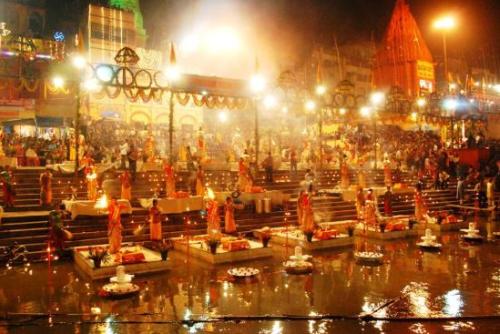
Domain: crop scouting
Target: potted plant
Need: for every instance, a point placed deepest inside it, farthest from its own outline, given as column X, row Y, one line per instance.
column 98, row 255
column 350, row 230
column 164, row 247
column 309, row 235
column 382, row 227
column 265, row 236
column 212, row 244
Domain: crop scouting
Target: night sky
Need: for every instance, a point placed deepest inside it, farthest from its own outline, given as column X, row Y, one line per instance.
column 292, row 26
column 308, row 21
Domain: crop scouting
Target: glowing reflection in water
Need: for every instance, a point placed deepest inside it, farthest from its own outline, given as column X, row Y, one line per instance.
column 375, row 309
column 453, row 303
column 454, row 326
column 418, row 297
column 494, row 286
column 277, row 328
column 418, row 328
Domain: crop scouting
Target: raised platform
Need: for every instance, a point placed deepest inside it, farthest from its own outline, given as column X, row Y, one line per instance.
column 438, row 228
column 387, row 235
column 198, row 249
column 152, row 263
column 297, row 238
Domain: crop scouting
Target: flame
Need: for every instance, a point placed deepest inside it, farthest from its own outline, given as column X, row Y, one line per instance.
column 91, row 176
column 102, row 202
column 210, row 193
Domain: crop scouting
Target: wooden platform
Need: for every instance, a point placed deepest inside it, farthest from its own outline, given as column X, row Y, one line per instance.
column 343, row 240
column 439, row 228
column 153, row 264
column 372, row 234
column 199, row 250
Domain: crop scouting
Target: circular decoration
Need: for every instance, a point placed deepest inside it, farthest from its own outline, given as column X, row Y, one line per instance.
column 59, row 36
column 235, row 194
column 360, row 100
column 243, row 272
column 350, row 101
column 143, row 79
column 126, row 57
column 104, row 73
column 339, row 100
column 125, row 77
column 160, row 80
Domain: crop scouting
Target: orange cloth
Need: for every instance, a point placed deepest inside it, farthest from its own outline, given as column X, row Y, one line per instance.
column 344, row 176
column 169, row 180
column 307, row 215
column 200, row 183
column 327, row 234
column 46, row 188
column 126, row 192
column 235, row 245
column 115, row 227
column 230, row 224
column 387, row 175
column 244, row 182
column 155, row 224
column 420, row 207
column 213, row 218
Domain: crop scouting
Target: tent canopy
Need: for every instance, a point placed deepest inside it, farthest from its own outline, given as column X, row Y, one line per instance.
column 38, row 121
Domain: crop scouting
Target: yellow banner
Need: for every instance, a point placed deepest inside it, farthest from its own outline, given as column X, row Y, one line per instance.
column 425, row 70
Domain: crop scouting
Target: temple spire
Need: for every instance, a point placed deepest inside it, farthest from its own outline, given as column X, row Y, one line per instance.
column 403, row 58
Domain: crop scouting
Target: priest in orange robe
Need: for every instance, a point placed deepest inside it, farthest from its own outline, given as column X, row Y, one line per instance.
column 126, row 191
column 115, row 226
column 169, row 180
column 155, row 222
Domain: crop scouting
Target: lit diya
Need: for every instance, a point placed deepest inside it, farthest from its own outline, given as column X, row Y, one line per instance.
column 121, row 285
column 298, row 263
column 369, row 257
column 429, row 242
column 243, row 272
column 471, row 234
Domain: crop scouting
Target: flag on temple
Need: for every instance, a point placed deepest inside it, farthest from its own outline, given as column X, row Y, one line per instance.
column 172, row 58
column 79, row 42
column 319, row 70
column 403, row 59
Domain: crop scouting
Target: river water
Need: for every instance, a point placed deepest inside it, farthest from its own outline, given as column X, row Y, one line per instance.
column 455, row 291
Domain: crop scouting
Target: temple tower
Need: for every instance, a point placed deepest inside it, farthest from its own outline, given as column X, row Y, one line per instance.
column 403, row 59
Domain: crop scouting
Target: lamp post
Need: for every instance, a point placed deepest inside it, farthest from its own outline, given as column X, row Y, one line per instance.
column 421, row 103
column 445, row 24
column 172, row 76
column 451, row 105
column 78, row 63
column 320, row 91
column 376, row 99
column 257, row 84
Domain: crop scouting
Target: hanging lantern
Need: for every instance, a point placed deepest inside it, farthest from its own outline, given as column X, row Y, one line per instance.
column 126, row 57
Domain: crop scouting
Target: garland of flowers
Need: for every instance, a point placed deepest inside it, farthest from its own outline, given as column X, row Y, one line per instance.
column 182, row 99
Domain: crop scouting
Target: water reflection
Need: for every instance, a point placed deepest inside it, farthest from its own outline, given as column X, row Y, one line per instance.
column 453, row 303
column 459, row 281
